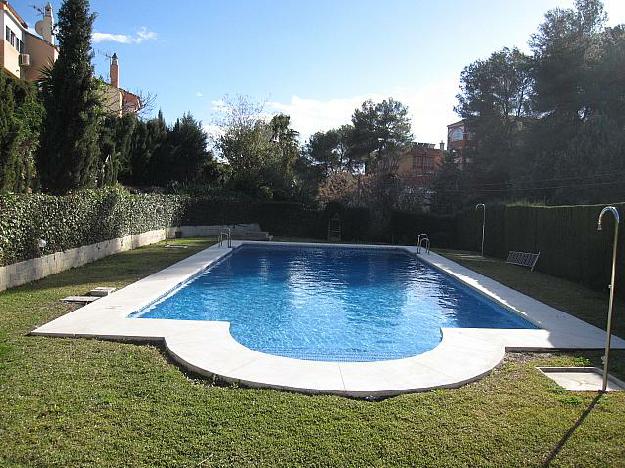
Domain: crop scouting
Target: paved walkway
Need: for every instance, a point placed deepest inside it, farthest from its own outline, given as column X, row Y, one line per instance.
column 205, row 347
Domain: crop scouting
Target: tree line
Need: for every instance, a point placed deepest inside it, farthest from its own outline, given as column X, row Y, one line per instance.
column 57, row 136
column 548, row 126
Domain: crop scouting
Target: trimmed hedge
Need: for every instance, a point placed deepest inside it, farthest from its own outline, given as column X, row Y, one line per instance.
column 405, row 227
column 82, row 218
column 567, row 237
column 278, row 218
column 91, row 216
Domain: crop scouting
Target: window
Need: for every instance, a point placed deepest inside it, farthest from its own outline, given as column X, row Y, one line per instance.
column 456, row 134
column 13, row 39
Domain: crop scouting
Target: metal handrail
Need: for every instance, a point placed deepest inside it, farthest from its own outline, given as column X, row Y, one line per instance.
column 420, row 239
column 227, row 234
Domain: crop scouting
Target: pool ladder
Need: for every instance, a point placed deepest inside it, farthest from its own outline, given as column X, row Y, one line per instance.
column 227, row 234
column 423, row 242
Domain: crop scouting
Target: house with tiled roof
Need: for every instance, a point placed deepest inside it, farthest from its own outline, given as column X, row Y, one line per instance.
column 24, row 55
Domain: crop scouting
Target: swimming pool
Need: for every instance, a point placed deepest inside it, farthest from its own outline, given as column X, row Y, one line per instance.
column 331, row 303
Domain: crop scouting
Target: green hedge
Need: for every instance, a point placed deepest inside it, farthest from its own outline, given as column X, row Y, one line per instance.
column 278, row 218
column 567, row 237
column 91, row 216
column 405, row 227
column 79, row 219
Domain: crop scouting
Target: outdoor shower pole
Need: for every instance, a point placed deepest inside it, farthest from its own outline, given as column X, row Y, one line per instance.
column 608, row 338
column 483, row 223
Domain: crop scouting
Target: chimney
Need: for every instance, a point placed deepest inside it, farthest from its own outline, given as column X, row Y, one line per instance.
column 45, row 27
column 114, row 71
column 442, row 145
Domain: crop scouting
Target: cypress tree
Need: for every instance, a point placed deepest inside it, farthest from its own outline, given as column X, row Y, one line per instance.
column 69, row 154
column 8, row 128
column 20, row 122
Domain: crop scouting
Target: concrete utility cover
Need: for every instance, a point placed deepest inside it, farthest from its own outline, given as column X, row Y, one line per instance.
column 581, row 379
column 80, row 299
column 101, row 291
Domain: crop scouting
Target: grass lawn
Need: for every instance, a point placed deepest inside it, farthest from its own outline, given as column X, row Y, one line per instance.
column 77, row 402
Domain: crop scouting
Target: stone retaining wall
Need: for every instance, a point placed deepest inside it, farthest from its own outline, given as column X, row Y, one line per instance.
column 37, row 268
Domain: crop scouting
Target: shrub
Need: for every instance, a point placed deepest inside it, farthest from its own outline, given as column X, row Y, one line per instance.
column 80, row 218
column 566, row 236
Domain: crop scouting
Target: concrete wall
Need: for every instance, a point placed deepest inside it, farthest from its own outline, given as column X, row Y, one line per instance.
column 112, row 99
column 9, row 58
column 42, row 55
column 37, row 268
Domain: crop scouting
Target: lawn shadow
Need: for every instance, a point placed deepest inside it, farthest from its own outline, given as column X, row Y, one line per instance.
column 562, row 442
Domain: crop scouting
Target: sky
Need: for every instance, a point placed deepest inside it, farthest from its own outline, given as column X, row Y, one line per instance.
column 316, row 60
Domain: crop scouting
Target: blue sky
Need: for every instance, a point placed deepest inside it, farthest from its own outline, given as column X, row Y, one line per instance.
column 315, row 60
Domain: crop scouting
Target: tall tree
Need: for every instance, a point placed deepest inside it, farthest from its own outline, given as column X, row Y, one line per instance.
column 576, row 150
column 20, row 123
column 189, row 154
column 115, row 146
column 448, row 186
column 380, row 132
column 183, row 156
column 330, row 150
column 69, row 153
column 261, row 155
column 285, row 151
column 494, row 100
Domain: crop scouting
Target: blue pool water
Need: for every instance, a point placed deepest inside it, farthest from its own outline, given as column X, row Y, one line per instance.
column 331, row 303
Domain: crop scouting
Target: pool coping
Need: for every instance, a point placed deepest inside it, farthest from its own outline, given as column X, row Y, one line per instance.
column 207, row 348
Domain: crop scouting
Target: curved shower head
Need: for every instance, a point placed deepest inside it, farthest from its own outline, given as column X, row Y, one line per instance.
column 608, row 209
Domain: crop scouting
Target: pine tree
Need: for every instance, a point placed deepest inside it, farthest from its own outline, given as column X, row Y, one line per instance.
column 69, row 153
column 183, row 156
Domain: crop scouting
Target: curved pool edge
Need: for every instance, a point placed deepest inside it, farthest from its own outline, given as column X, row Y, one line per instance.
column 463, row 355
column 460, row 358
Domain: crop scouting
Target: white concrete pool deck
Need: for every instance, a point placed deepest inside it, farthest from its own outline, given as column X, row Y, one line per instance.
column 205, row 347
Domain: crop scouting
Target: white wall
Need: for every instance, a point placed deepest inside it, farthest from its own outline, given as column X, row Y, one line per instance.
column 14, row 25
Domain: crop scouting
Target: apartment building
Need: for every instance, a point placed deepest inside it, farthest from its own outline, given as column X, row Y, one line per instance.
column 23, row 54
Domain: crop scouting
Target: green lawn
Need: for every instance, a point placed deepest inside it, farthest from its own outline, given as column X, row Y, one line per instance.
column 77, row 402
column 587, row 304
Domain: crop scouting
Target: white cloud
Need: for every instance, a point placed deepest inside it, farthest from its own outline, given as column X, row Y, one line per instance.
column 107, row 37
column 430, row 108
column 199, row 94
column 143, row 34
column 615, row 10
column 212, row 129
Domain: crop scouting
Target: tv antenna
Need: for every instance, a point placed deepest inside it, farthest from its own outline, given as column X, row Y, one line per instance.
column 39, row 9
column 104, row 53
